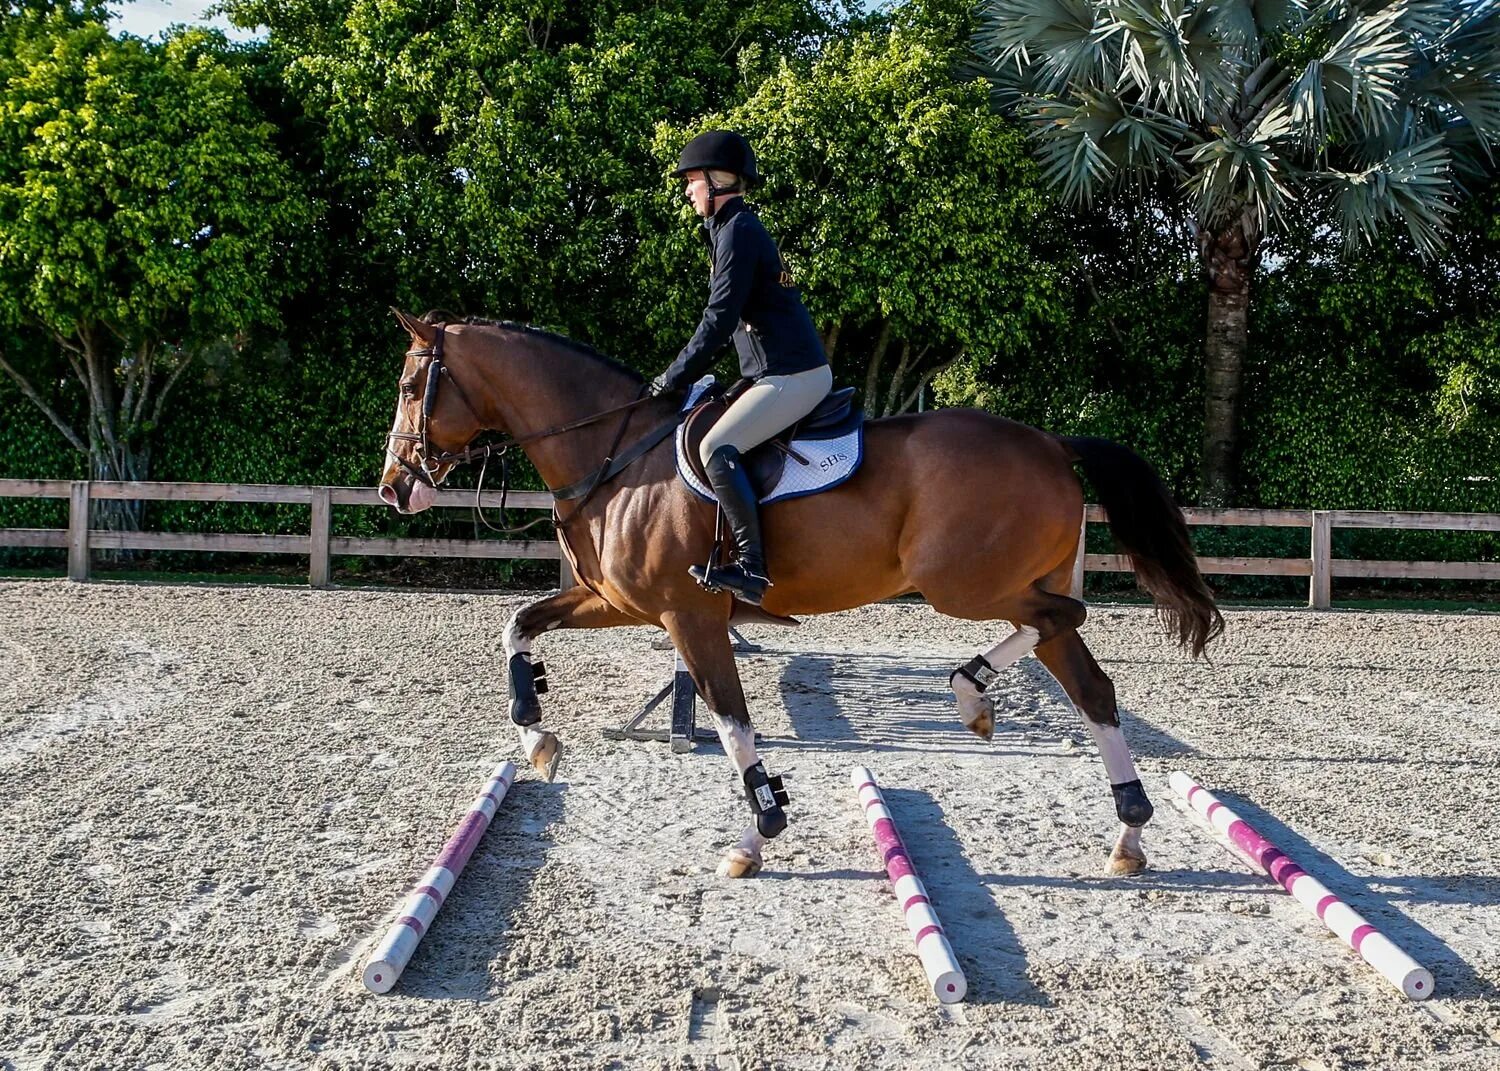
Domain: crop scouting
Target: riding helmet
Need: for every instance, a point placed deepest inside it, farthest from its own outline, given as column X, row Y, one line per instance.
column 719, row 150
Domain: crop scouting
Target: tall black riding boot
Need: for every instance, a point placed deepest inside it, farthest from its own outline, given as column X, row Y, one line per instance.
column 745, row 577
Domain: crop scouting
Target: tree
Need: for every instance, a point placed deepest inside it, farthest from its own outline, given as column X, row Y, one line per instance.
column 494, row 151
column 904, row 207
column 1229, row 111
column 1378, row 378
column 143, row 219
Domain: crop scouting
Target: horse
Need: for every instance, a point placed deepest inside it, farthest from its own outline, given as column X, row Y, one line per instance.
column 979, row 515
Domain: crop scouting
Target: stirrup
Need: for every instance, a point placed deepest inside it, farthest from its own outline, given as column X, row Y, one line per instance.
column 734, row 578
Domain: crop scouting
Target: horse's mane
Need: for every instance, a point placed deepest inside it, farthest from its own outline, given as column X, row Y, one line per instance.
column 439, row 316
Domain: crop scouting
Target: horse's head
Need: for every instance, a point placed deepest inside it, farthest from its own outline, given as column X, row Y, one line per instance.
column 433, row 417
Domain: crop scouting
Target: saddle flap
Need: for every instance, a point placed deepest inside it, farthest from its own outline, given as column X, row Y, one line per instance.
column 821, row 451
column 764, row 464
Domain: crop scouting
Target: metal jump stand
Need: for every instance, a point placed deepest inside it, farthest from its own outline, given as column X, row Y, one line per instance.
column 682, row 732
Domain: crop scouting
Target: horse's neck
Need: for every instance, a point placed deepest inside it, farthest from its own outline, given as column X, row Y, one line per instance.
column 542, row 385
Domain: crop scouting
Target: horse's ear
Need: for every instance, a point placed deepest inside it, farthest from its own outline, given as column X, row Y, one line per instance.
column 414, row 327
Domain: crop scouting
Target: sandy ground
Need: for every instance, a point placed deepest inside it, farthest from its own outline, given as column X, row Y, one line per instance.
column 213, row 798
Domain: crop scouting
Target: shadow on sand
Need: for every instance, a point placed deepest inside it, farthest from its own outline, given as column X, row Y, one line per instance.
column 983, row 939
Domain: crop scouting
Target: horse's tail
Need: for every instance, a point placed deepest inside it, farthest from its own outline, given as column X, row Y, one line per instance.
column 1149, row 526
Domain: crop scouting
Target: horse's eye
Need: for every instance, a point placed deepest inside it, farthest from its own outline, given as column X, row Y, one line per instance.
column 408, row 390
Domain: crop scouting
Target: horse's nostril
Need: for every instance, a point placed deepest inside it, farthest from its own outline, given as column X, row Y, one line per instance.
column 388, row 494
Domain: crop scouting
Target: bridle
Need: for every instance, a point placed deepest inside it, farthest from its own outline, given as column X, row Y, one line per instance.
column 424, row 471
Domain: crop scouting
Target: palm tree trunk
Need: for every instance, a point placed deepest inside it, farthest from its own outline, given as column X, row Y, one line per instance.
column 1230, row 257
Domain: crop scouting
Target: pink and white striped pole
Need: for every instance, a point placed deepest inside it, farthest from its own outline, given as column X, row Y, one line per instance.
column 421, row 904
column 943, row 972
column 1374, row 947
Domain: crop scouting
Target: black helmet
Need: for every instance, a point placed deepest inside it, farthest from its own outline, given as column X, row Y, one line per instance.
column 719, row 150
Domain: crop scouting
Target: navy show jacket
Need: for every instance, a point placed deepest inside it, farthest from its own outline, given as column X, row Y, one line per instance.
column 751, row 299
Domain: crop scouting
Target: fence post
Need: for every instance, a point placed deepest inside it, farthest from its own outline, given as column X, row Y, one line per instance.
column 1320, row 588
column 319, row 571
column 78, row 530
column 1083, row 538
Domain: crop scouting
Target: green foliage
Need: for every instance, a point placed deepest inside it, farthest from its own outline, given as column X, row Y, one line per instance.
column 1246, row 112
column 1377, row 381
column 1119, row 357
column 494, row 149
column 466, row 155
column 904, row 207
column 144, row 214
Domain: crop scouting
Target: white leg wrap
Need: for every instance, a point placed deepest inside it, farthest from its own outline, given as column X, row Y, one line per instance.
column 1006, row 653
column 1116, row 753
column 739, row 743
column 971, row 704
column 531, row 739
column 515, row 642
column 1013, row 648
column 751, row 842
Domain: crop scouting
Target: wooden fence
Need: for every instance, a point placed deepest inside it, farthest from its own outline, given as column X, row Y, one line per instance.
column 320, row 545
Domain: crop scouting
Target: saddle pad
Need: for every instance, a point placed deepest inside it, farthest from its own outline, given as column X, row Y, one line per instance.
column 829, row 461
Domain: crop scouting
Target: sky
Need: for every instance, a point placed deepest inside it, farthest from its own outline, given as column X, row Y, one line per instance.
column 147, row 18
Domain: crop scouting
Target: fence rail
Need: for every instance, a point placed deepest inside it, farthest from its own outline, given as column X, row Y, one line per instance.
column 320, row 545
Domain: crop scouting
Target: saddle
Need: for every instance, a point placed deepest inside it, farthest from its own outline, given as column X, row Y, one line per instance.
column 834, row 418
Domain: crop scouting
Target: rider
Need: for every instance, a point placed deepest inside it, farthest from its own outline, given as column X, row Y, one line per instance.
column 753, row 300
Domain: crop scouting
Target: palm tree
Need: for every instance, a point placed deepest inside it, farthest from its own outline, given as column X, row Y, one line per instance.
column 1367, row 113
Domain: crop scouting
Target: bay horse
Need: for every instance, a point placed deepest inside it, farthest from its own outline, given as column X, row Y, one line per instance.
column 979, row 515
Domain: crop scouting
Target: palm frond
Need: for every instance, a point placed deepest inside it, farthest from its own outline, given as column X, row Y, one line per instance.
column 1474, row 96
column 1071, row 138
column 1425, row 20
column 1276, row 16
column 1171, row 56
column 1412, row 184
column 1233, row 175
column 1473, row 157
column 1472, row 27
column 1054, row 43
column 1309, row 105
column 1464, row 71
column 1233, row 22
column 1363, row 71
column 1145, row 140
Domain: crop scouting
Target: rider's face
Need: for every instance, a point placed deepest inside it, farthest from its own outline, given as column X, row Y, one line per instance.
column 695, row 189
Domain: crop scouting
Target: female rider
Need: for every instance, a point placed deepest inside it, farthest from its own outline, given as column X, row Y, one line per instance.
column 753, row 300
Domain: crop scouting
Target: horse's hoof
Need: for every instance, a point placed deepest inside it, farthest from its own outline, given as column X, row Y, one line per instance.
column 546, row 756
column 977, row 713
column 738, row 863
column 1122, row 863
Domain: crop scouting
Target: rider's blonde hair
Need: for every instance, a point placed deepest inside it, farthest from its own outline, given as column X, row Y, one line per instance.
column 725, row 179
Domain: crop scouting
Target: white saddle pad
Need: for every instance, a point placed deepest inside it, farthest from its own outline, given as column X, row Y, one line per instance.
column 829, row 461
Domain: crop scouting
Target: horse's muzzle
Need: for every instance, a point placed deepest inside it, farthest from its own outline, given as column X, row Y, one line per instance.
column 406, row 495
